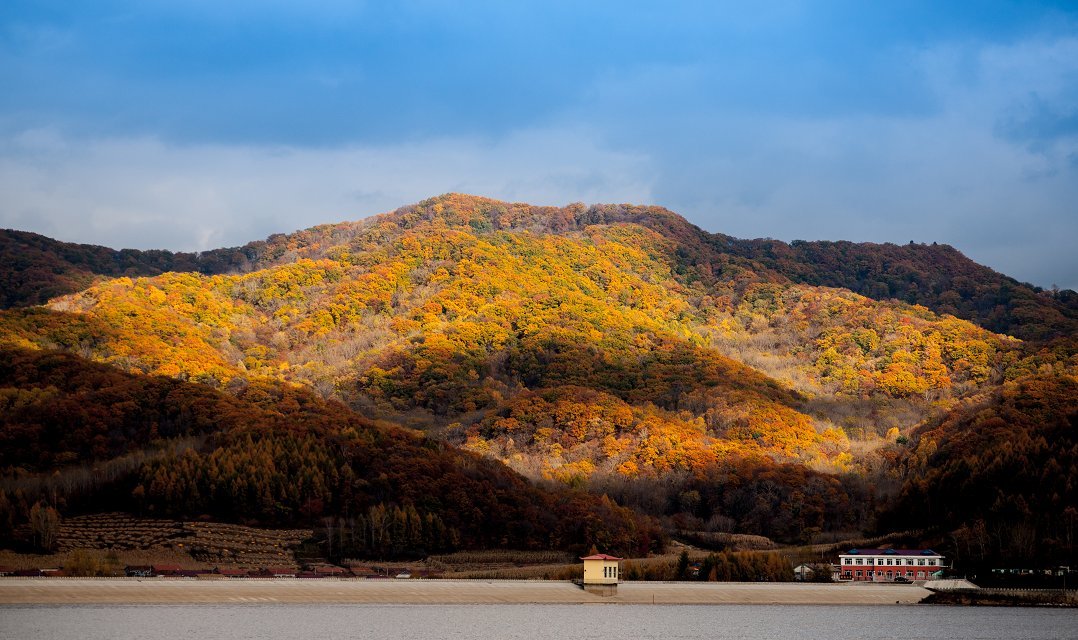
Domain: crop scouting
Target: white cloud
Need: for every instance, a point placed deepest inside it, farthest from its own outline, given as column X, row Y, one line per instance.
column 143, row 193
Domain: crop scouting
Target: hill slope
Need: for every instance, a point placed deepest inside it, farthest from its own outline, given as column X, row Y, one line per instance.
column 272, row 454
column 1000, row 470
column 617, row 348
column 447, row 312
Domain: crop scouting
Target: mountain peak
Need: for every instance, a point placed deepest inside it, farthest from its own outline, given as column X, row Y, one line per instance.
column 484, row 214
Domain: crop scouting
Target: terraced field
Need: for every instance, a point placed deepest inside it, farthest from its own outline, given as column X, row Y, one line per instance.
column 207, row 543
column 247, row 547
column 118, row 531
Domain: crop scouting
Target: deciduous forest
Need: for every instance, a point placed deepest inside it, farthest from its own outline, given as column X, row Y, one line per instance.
column 465, row 373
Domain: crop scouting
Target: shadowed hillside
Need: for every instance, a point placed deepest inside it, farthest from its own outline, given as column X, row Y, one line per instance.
column 271, row 454
column 1000, row 469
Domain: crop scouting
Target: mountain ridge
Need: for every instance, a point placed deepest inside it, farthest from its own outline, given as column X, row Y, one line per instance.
column 936, row 276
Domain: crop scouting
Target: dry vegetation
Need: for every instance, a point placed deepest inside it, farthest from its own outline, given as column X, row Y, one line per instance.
column 504, row 564
column 118, row 531
column 133, row 540
column 826, row 551
column 112, row 562
column 512, row 565
column 231, row 544
column 728, row 541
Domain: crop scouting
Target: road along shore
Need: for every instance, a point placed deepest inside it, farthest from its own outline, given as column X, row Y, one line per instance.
column 300, row 591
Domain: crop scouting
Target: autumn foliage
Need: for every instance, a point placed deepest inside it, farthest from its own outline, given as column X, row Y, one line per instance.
column 1001, row 470
column 720, row 384
column 277, row 454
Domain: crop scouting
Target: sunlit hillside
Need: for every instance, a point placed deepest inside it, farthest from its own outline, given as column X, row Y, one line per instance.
column 458, row 305
column 611, row 348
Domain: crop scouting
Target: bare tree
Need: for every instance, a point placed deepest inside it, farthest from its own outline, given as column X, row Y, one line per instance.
column 44, row 525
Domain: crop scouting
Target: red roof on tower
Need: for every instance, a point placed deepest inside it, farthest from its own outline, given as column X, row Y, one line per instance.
column 600, row 556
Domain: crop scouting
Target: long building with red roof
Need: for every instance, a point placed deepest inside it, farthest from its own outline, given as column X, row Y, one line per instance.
column 890, row 565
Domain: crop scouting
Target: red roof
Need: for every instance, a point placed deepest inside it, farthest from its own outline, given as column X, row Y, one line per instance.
column 600, row 556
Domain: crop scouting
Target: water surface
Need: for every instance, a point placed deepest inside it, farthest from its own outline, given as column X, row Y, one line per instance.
column 527, row 622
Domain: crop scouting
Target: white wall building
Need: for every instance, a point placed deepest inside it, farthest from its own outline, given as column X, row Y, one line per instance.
column 887, row 565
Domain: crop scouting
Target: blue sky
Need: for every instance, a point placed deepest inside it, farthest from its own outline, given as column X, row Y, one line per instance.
column 195, row 124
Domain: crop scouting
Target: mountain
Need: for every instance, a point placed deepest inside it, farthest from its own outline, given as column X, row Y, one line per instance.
column 444, row 311
column 718, row 384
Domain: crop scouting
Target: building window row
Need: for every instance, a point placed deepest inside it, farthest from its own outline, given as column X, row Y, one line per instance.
column 921, row 575
column 889, row 562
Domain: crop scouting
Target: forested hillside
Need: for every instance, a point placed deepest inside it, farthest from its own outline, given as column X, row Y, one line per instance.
column 34, row 268
column 616, row 349
column 936, row 276
column 274, row 454
column 1000, row 468
column 436, row 317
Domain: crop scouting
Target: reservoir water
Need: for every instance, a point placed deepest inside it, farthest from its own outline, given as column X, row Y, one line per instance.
column 528, row 622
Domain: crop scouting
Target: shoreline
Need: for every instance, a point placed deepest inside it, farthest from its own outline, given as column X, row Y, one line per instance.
column 80, row 591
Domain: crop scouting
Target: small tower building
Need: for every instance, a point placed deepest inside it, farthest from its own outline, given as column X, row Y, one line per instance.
column 601, row 574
